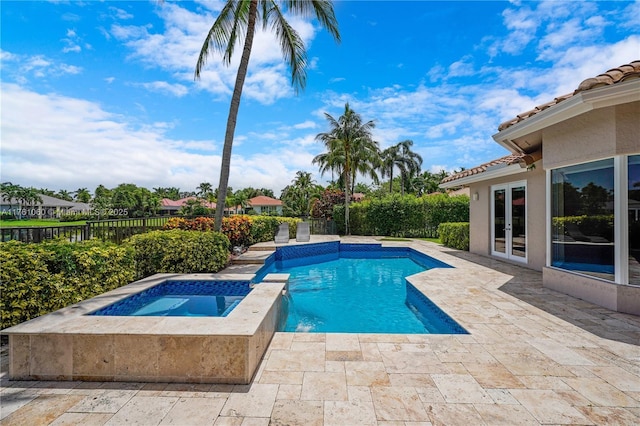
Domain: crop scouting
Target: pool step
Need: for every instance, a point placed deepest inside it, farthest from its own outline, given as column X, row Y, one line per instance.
column 252, row 257
column 268, row 246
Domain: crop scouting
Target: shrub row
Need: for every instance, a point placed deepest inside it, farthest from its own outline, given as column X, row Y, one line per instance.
column 403, row 216
column 178, row 251
column 39, row 278
column 454, row 235
column 601, row 225
column 242, row 230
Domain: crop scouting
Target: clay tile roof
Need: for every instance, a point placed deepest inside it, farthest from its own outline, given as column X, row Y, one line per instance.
column 615, row 75
column 507, row 160
column 262, row 200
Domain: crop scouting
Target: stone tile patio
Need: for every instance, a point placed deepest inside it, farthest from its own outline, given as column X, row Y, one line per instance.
column 533, row 356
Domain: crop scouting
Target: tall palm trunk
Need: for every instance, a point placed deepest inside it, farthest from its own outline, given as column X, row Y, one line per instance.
column 347, row 187
column 233, row 114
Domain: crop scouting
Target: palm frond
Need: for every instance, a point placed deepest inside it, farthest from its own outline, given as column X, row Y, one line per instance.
column 224, row 34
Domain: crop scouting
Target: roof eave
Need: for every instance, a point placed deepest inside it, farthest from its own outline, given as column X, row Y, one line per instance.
column 580, row 103
column 491, row 173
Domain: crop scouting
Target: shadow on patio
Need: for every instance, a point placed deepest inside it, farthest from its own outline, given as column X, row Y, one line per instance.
column 526, row 285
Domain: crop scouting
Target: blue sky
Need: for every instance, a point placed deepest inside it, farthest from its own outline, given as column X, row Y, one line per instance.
column 103, row 92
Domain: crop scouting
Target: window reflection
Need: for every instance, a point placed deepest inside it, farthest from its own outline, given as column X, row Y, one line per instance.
column 634, row 219
column 582, row 209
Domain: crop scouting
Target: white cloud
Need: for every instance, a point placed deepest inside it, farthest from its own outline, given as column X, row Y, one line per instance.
column 463, row 67
column 121, row 13
column 177, row 47
column 177, row 90
column 552, row 24
column 75, row 142
column 308, row 124
column 22, row 68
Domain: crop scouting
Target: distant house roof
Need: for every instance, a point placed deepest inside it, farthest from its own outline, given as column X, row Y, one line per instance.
column 613, row 76
column 81, row 207
column 47, row 201
column 176, row 204
column 263, row 200
column 357, row 196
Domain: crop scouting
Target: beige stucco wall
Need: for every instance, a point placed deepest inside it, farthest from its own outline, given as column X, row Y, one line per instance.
column 592, row 136
column 595, row 135
column 617, row 297
column 628, row 128
column 480, row 215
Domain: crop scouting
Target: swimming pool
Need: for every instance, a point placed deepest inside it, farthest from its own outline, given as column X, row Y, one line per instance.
column 182, row 299
column 357, row 288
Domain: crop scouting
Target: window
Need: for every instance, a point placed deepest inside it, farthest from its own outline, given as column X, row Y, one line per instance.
column 633, row 205
column 582, row 218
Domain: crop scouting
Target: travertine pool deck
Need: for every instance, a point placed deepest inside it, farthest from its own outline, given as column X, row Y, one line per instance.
column 533, row 356
column 72, row 344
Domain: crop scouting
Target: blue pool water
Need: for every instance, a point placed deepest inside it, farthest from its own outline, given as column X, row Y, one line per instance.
column 182, row 298
column 357, row 288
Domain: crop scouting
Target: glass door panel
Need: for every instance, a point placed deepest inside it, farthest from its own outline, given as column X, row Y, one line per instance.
column 499, row 221
column 509, row 221
column 518, row 222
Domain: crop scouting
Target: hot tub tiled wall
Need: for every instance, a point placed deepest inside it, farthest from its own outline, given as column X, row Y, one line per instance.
column 70, row 345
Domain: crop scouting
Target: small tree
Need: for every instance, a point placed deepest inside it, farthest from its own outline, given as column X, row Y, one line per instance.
column 323, row 207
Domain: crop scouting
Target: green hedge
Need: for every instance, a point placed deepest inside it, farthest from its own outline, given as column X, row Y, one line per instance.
column 454, row 235
column 39, row 278
column 179, row 251
column 242, row 230
column 403, row 216
column 601, row 225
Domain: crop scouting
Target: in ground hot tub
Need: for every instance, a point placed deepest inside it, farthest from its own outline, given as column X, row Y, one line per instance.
column 76, row 344
column 181, row 298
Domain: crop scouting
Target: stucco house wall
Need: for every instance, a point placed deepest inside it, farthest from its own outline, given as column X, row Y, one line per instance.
column 599, row 121
column 592, row 136
column 480, row 216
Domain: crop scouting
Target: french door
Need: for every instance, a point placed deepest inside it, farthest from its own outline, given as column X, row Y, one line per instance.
column 509, row 221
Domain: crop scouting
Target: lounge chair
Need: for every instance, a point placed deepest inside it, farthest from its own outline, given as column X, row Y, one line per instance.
column 282, row 233
column 574, row 232
column 302, row 232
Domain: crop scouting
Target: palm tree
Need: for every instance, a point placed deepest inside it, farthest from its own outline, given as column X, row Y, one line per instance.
column 205, row 190
column 82, row 195
column 9, row 192
column 238, row 18
column 333, row 161
column 401, row 156
column 240, row 199
column 365, row 160
column 388, row 163
column 297, row 197
column 29, row 196
column 63, row 194
column 347, row 135
column 409, row 162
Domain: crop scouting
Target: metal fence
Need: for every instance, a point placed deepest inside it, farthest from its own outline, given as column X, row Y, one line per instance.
column 116, row 230
column 322, row 226
column 36, row 234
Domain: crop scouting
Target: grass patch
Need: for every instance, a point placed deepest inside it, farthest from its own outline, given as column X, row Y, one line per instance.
column 432, row 240
column 37, row 222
